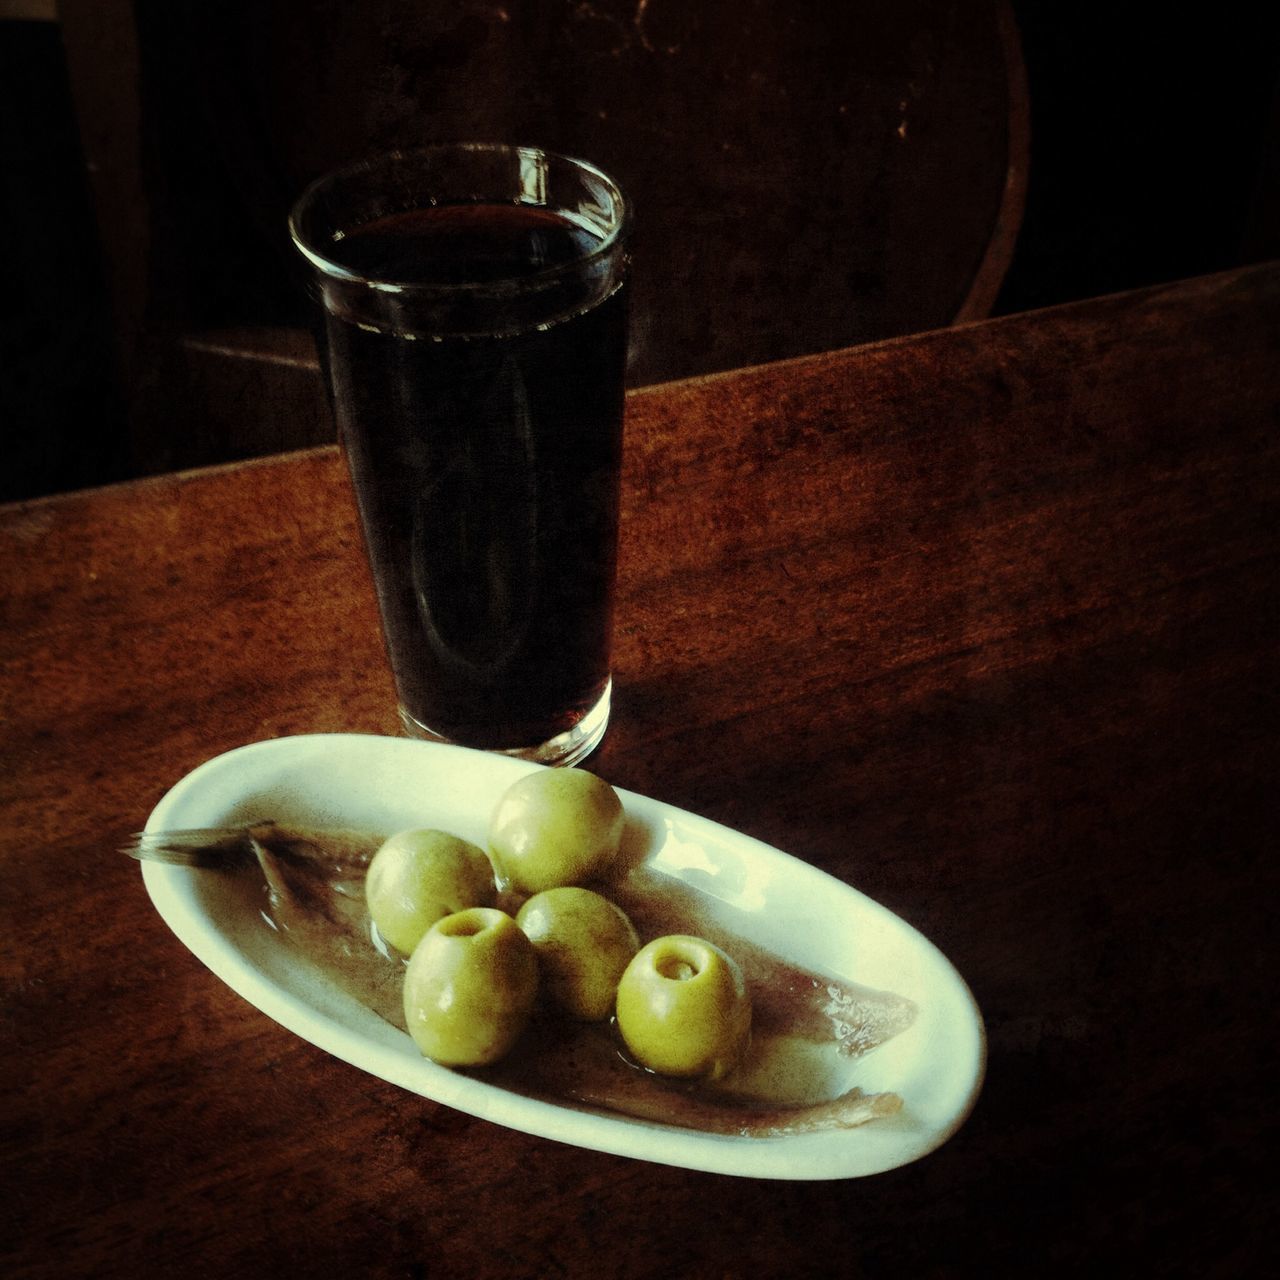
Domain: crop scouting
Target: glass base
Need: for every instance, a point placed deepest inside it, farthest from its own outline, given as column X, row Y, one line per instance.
column 564, row 749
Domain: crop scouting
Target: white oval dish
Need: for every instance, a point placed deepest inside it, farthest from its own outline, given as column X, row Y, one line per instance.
column 388, row 784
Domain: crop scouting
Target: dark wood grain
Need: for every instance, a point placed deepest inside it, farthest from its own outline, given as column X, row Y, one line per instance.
column 983, row 621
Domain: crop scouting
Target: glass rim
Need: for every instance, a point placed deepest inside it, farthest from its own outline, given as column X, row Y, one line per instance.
column 331, row 180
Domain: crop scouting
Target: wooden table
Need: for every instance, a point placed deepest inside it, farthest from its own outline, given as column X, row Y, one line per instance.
column 983, row 621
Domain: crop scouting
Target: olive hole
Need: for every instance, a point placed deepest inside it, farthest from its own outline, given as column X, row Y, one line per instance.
column 463, row 925
column 677, row 968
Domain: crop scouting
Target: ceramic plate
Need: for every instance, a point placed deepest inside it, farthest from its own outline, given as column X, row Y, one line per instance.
column 797, row 911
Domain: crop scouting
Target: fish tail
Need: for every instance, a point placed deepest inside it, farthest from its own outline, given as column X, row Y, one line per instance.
column 219, row 847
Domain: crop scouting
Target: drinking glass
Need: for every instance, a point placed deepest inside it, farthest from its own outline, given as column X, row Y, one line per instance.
column 475, row 327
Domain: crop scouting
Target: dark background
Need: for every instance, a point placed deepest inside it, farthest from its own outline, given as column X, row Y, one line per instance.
column 1153, row 157
column 61, row 418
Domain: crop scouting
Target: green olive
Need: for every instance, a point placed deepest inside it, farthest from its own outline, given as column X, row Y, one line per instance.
column 418, row 877
column 583, row 942
column 555, row 827
column 470, row 987
column 683, row 1008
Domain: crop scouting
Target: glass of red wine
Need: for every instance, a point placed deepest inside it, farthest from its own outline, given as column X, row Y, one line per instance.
column 474, row 300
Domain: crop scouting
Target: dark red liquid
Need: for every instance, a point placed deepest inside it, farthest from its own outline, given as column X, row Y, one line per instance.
column 486, row 468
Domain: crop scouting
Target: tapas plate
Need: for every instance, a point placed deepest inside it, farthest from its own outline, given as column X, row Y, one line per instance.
column 787, row 906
